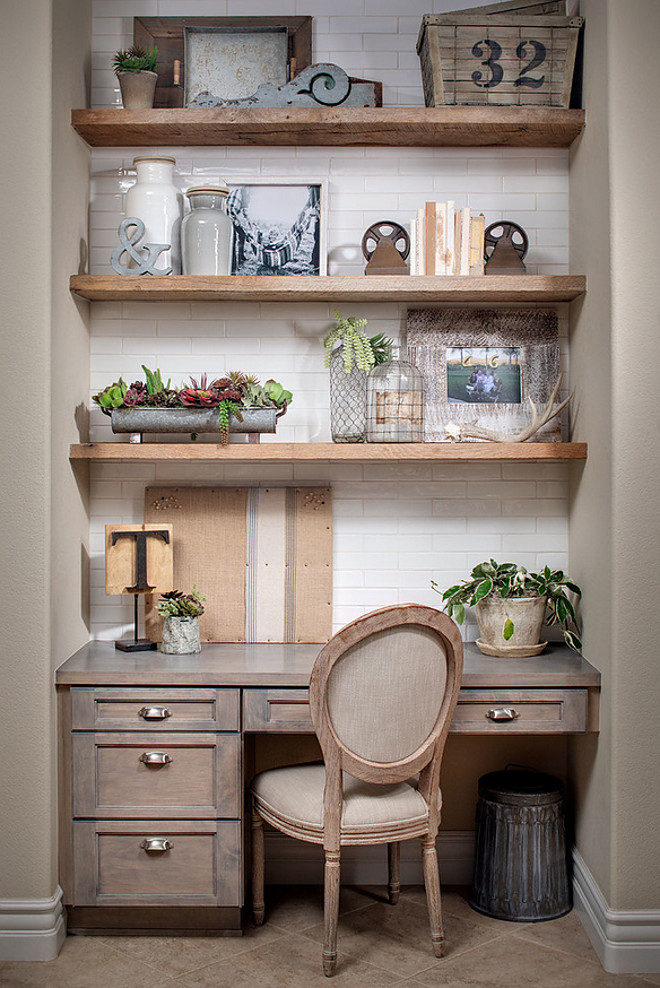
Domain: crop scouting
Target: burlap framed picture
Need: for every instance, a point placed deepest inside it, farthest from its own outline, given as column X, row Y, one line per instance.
column 482, row 366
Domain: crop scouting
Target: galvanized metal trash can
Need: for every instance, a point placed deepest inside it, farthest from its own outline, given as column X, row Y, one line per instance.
column 520, row 865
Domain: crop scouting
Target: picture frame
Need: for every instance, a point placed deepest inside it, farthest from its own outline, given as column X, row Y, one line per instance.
column 483, row 366
column 167, row 33
column 280, row 226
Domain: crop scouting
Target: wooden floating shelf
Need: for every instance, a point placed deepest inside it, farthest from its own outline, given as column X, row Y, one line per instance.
column 329, row 452
column 405, row 126
column 309, row 288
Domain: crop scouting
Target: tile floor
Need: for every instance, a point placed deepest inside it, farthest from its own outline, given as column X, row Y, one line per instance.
column 379, row 946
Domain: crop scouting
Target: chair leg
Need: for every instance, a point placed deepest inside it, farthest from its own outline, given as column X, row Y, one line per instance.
column 258, row 906
column 330, row 911
column 432, row 884
column 393, row 872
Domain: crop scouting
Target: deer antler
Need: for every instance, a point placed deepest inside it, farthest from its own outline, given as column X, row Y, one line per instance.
column 472, row 431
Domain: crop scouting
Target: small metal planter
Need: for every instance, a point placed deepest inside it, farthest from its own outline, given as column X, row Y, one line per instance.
column 180, row 636
column 191, row 420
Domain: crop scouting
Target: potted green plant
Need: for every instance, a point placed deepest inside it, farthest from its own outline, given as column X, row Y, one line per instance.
column 350, row 354
column 135, row 68
column 180, row 613
column 512, row 605
column 237, row 402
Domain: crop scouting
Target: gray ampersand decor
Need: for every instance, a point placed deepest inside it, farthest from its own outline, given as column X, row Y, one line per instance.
column 128, row 244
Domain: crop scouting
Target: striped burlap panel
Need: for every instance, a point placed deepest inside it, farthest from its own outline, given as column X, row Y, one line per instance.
column 262, row 556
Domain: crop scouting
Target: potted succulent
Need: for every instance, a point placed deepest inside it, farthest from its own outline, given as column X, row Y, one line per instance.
column 350, row 354
column 237, row 402
column 511, row 606
column 180, row 613
column 135, row 67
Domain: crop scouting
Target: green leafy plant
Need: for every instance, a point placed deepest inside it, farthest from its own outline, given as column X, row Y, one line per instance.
column 135, row 59
column 489, row 579
column 112, row 397
column 177, row 604
column 357, row 348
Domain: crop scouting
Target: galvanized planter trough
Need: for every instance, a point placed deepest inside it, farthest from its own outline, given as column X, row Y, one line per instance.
column 192, row 420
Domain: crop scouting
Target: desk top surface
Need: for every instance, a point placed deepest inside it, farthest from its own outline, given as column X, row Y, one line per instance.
column 282, row 665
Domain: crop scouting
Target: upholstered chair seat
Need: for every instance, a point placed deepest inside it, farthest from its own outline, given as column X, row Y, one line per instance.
column 291, row 799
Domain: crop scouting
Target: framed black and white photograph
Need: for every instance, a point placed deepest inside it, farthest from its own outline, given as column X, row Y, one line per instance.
column 280, row 226
column 481, row 367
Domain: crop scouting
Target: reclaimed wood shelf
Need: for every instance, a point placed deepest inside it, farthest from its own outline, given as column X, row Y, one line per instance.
column 392, row 126
column 310, row 288
column 329, row 452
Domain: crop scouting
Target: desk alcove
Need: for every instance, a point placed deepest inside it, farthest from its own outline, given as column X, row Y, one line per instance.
column 155, row 750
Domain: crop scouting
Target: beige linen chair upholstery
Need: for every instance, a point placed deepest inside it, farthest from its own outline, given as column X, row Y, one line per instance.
column 382, row 695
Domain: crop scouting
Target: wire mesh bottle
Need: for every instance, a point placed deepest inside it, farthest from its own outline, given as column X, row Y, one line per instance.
column 348, row 401
column 395, row 403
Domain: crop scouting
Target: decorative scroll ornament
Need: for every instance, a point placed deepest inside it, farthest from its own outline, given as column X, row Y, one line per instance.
column 145, row 256
column 323, row 84
column 470, row 430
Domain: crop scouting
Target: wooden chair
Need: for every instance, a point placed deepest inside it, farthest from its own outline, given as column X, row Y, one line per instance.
column 382, row 695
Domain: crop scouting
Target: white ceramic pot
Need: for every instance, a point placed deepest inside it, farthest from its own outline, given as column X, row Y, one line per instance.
column 137, row 89
column 207, row 232
column 180, row 636
column 527, row 615
column 156, row 200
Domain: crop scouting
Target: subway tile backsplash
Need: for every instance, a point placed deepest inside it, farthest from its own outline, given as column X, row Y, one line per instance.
column 396, row 527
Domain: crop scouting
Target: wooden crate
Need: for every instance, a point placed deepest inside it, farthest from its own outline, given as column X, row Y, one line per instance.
column 509, row 59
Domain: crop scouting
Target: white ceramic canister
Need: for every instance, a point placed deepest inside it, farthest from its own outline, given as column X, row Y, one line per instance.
column 207, row 232
column 156, row 200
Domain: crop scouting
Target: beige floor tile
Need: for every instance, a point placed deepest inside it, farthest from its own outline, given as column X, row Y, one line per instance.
column 397, row 938
column 292, row 961
column 177, row 955
column 297, row 907
column 455, row 903
column 513, row 962
column 650, row 979
column 565, row 933
column 84, row 962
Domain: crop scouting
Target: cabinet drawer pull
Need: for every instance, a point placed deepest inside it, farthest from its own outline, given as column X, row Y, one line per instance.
column 154, row 713
column 157, row 844
column 155, row 758
column 502, row 713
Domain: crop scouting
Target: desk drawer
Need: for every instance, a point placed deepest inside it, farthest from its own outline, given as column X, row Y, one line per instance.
column 157, row 775
column 521, row 712
column 513, row 711
column 282, row 711
column 191, row 863
column 167, row 709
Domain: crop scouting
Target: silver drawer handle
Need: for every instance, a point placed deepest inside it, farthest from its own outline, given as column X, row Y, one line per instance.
column 502, row 713
column 155, row 758
column 154, row 713
column 159, row 844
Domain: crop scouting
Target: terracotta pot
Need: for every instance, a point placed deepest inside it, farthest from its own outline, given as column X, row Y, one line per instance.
column 180, row 636
column 527, row 615
column 137, row 89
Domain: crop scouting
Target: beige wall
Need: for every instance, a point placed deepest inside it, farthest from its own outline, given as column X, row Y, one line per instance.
column 43, row 354
column 613, row 522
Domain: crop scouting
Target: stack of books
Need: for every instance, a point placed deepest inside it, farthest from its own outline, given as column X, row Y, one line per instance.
column 445, row 240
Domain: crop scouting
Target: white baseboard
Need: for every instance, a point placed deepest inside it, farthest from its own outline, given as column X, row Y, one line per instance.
column 294, row 862
column 32, row 929
column 626, row 941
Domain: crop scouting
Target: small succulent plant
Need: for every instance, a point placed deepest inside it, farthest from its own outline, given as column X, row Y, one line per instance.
column 357, row 348
column 135, row 59
column 175, row 603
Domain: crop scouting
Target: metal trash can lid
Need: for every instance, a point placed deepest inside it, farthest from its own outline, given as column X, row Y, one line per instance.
column 521, row 787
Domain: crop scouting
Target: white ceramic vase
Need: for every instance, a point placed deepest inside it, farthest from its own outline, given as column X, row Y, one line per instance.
column 180, row 636
column 156, row 200
column 207, row 232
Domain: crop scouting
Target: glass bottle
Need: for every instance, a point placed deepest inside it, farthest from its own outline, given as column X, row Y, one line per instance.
column 395, row 403
column 207, row 232
column 156, row 200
